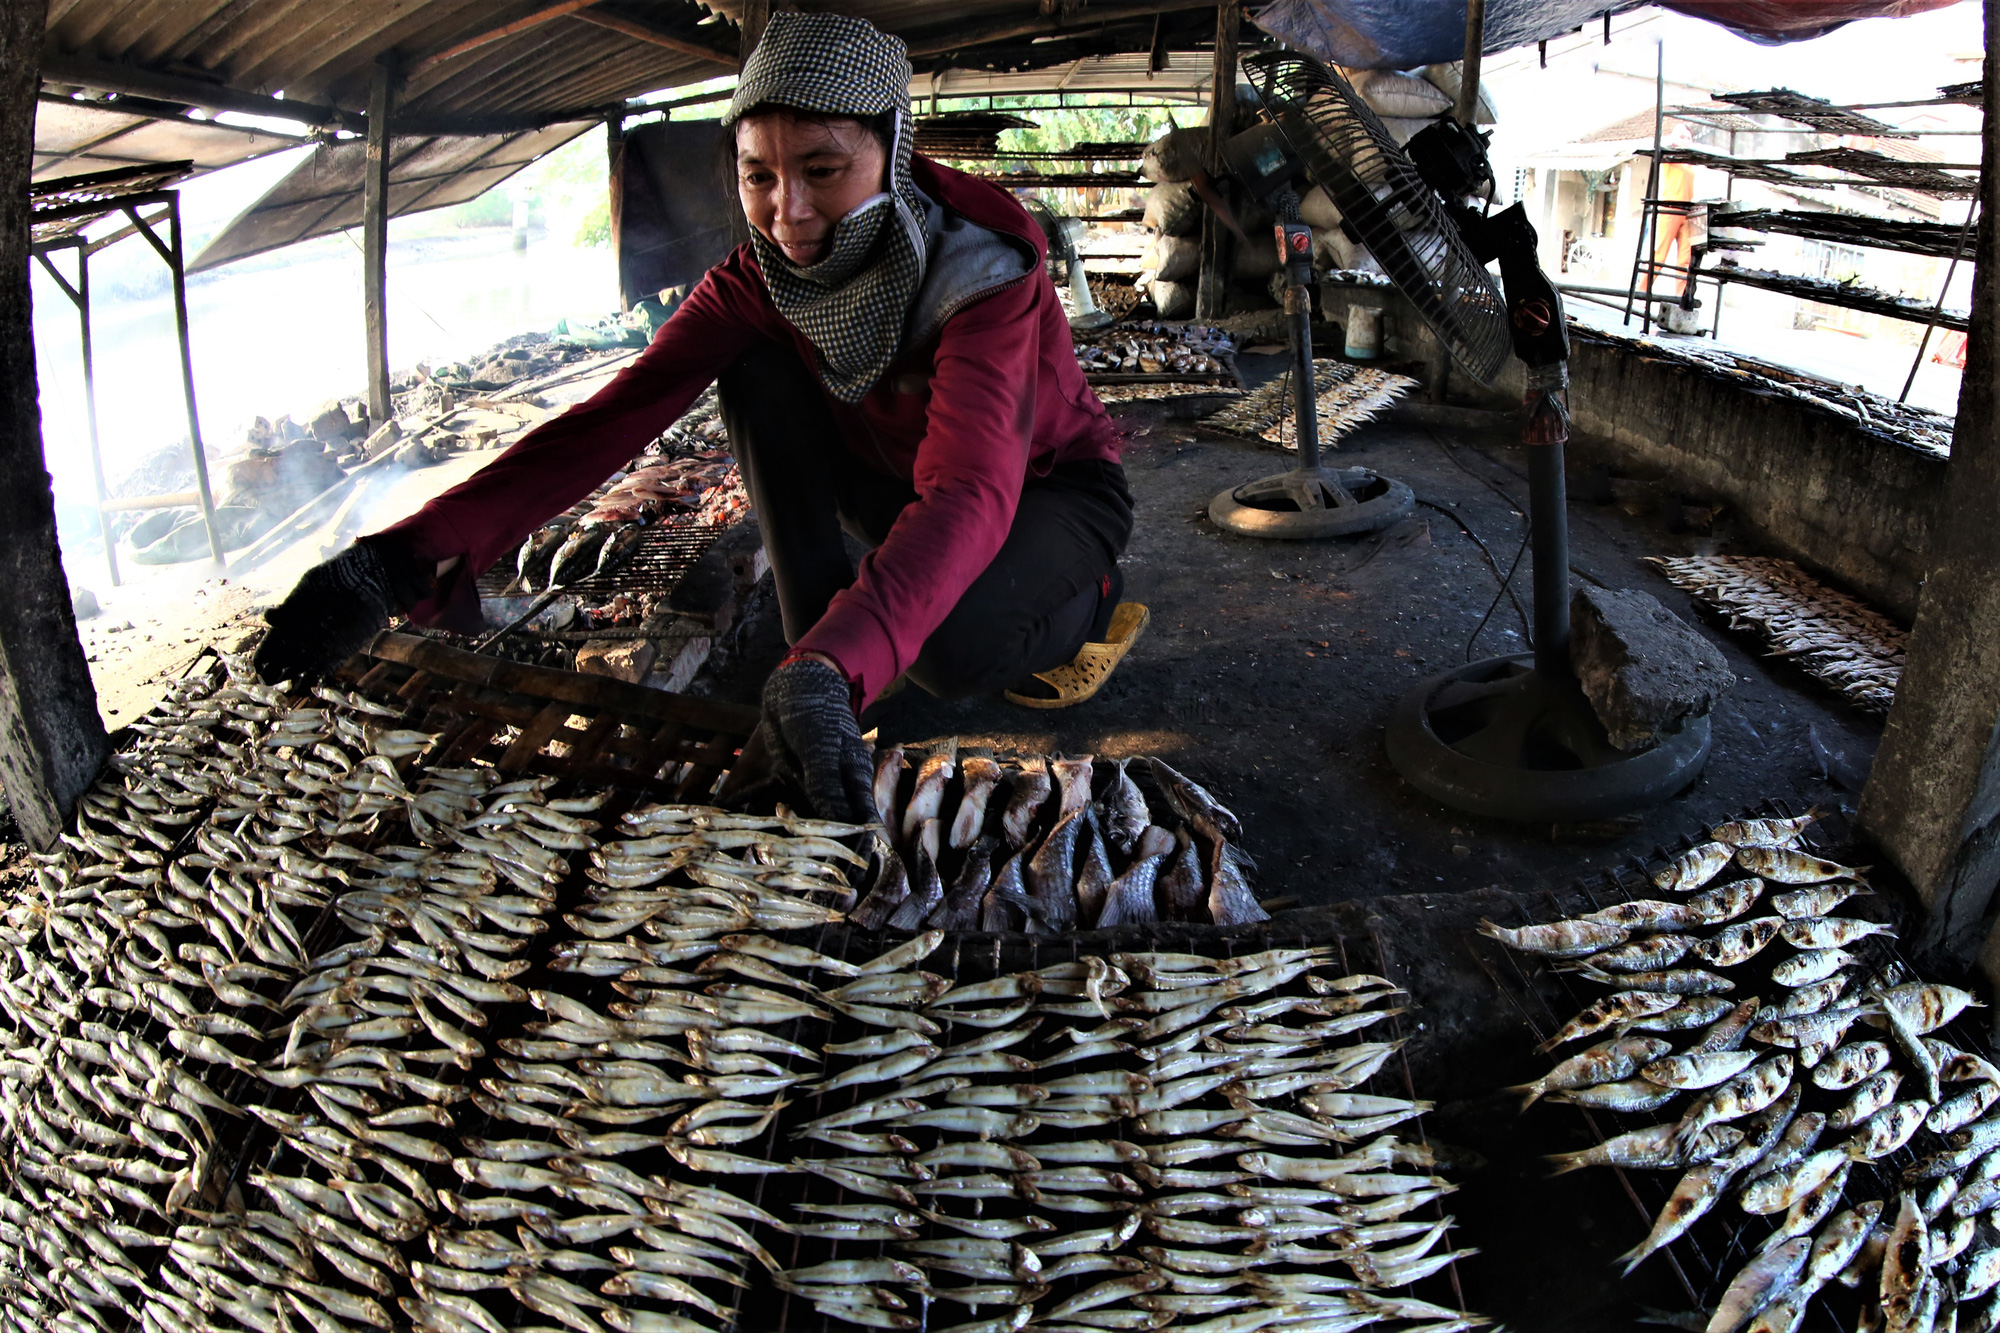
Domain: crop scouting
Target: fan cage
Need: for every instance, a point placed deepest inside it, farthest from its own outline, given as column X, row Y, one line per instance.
column 1351, row 154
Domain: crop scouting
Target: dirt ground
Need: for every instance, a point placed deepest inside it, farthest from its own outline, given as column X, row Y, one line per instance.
column 149, row 629
column 1270, row 668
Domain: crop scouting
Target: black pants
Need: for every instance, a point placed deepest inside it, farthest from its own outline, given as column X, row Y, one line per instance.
column 1030, row 610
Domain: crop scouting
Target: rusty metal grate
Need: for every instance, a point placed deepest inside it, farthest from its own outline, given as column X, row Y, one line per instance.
column 1707, row 1256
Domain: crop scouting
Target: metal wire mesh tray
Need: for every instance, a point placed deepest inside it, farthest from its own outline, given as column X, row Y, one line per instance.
column 1705, row 1258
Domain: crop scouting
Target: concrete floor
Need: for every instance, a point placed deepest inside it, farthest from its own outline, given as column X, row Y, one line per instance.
column 1270, row 668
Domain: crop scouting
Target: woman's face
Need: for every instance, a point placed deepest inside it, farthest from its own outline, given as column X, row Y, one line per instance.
column 797, row 178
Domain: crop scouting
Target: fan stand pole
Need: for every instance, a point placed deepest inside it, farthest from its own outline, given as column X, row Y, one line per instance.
column 1548, row 520
column 1515, row 737
column 1310, row 501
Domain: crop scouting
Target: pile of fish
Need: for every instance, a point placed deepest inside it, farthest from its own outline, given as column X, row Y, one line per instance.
column 248, row 1017
column 1803, row 1079
column 1157, row 347
column 601, row 531
column 1840, row 639
column 1348, row 396
column 1050, row 846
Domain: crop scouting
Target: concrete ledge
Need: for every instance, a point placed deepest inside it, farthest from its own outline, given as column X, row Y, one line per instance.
column 1835, row 497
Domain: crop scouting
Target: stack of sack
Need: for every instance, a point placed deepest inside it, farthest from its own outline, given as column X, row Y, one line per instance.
column 1173, row 210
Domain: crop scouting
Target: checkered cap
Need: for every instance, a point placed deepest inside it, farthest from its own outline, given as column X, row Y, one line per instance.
column 852, row 304
column 831, row 63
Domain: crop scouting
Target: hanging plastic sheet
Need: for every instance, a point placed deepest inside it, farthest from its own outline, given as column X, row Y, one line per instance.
column 1776, row 21
column 677, row 209
column 1404, row 34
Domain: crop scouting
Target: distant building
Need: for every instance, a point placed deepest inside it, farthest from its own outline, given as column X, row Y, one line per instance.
column 1586, row 198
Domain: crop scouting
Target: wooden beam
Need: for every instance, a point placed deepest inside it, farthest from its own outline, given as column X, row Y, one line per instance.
column 52, row 742
column 375, row 238
column 534, row 20
column 1932, row 802
column 1467, row 109
column 614, row 154
column 750, row 25
column 1089, row 16
column 105, row 76
column 640, row 32
column 1218, row 253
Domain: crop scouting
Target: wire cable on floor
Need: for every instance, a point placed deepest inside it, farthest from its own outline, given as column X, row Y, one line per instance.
column 1506, row 580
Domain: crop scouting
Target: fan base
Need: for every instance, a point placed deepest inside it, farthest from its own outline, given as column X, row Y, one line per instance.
column 1499, row 738
column 1313, row 503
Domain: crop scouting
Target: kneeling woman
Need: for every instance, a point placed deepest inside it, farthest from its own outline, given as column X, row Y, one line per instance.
column 891, row 360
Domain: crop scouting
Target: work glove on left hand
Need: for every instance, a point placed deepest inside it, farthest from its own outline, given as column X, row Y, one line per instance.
column 336, row 607
column 815, row 741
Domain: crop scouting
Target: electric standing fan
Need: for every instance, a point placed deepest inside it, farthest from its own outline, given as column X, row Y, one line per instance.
column 1312, row 500
column 1513, row 737
column 1066, row 265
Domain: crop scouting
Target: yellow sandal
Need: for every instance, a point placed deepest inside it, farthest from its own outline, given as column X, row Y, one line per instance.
column 1082, row 677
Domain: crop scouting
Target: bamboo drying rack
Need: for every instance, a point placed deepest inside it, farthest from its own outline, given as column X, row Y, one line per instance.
column 519, row 718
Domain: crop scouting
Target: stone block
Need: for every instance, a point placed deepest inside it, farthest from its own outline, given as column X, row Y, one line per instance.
column 1644, row 669
column 621, row 659
column 384, row 436
column 680, row 657
column 331, row 424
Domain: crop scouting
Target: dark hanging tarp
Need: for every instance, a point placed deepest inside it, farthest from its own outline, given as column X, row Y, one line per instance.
column 677, row 210
column 1407, row 34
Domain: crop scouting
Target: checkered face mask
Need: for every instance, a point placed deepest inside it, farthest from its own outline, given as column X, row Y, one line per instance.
column 852, row 304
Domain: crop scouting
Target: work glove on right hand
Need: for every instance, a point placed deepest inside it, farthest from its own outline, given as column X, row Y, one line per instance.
column 337, row 607
column 815, row 741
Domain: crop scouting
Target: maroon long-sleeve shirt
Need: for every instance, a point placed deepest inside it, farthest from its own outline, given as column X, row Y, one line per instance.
column 994, row 397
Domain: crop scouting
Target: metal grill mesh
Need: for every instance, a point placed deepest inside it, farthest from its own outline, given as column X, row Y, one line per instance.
column 1351, row 155
column 662, row 559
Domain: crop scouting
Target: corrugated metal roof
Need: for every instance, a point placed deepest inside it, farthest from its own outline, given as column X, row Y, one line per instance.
column 322, row 194
column 529, row 58
column 73, row 137
column 484, row 87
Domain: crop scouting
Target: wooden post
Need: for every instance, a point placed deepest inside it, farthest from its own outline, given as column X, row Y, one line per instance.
column 79, row 295
column 1218, row 254
column 375, row 239
column 52, row 742
column 614, row 155
column 177, row 261
column 1933, row 800
column 756, row 14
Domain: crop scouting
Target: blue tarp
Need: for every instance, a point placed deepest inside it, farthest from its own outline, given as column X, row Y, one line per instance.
column 1408, row 34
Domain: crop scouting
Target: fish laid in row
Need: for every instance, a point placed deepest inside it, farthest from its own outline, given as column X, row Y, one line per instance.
column 1790, row 1056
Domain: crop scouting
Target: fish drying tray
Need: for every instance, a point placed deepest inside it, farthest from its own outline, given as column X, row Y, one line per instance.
column 520, row 719
column 588, row 733
column 967, row 958
column 1705, row 1258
